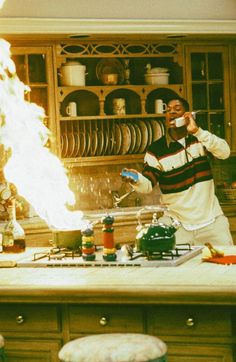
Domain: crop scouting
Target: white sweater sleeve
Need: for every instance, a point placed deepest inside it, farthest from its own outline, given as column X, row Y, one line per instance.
column 214, row 144
column 143, row 186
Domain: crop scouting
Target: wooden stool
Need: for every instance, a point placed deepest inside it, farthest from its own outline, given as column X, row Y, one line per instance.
column 115, row 347
column 2, row 350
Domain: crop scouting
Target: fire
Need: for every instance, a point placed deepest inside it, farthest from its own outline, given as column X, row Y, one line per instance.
column 37, row 173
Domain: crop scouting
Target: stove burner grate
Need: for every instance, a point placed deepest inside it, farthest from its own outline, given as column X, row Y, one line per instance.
column 163, row 255
column 56, row 253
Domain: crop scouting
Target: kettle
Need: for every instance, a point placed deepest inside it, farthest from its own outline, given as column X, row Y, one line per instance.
column 157, row 236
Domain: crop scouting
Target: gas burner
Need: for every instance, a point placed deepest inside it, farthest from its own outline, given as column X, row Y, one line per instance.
column 161, row 255
column 57, row 254
column 126, row 257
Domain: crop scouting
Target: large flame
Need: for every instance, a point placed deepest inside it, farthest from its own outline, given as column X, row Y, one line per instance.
column 36, row 172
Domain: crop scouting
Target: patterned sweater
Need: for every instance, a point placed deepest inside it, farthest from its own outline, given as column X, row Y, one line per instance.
column 184, row 175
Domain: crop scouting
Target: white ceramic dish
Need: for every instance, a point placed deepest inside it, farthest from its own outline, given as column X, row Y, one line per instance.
column 144, row 136
column 118, row 139
column 126, row 135
column 138, row 138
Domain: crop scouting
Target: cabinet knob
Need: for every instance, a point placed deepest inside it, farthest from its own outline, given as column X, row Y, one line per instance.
column 103, row 321
column 229, row 124
column 20, row 319
column 190, row 322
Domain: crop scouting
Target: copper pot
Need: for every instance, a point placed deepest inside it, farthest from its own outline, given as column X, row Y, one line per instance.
column 109, row 78
column 70, row 239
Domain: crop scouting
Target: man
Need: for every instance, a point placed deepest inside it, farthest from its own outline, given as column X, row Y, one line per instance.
column 178, row 161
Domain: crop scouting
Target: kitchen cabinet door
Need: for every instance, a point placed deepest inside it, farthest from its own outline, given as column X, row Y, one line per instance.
column 233, row 95
column 185, row 352
column 34, row 68
column 32, row 350
column 207, row 81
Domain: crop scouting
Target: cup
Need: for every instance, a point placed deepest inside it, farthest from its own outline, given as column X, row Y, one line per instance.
column 71, row 109
column 119, row 106
column 160, row 106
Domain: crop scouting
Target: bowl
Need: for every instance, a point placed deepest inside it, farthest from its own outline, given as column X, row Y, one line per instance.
column 156, row 78
column 157, row 70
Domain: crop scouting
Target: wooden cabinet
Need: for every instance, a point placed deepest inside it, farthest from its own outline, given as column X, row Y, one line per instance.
column 208, row 88
column 36, row 332
column 105, row 319
column 34, row 68
column 98, row 133
column 32, row 332
column 193, row 333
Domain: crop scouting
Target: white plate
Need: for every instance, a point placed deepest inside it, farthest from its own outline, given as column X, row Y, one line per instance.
column 157, row 129
column 94, row 142
column 111, row 138
column 87, row 143
column 100, row 146
column 106, row 140
column 118, row 139
column 126, row 135
column 62, row 145
column 77, row 142
column 71, row 144
column 138, row 138
column 82, row 140
column 65, row 145
column 132, row 138
column 149, row 128
column 144, row 137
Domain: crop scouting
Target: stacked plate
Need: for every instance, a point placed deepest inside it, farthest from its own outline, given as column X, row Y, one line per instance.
column 98, row 138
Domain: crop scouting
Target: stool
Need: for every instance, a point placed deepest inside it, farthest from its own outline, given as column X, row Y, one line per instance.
column 115, row 347
column 2, row 350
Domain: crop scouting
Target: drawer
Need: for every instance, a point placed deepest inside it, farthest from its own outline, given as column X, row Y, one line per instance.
column 105, row 318
column 29, row 318
column 189, row 320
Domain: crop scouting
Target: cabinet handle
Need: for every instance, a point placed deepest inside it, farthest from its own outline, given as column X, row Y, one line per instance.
column 190, row 322
column 103, row 321
column 229, row 124
column 20, row 319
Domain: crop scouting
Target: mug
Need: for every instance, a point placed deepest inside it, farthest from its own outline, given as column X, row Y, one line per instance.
column 71, row 109
column 160, row 106
column 119, row 106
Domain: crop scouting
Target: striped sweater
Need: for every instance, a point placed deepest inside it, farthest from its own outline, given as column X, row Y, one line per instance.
column 184, row 175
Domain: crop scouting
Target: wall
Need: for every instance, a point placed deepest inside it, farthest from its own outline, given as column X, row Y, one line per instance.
column 124, row 9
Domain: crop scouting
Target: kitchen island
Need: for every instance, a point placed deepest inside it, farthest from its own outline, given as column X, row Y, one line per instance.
column 192, row 307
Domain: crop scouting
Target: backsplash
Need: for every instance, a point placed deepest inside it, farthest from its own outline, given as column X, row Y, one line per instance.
column 94, row 188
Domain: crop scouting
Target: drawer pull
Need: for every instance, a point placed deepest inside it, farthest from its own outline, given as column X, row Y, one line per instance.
column 103, row 321
column 190, row 322
column 20, row 319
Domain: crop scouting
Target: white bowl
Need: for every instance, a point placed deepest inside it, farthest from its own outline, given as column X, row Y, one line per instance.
column 156, row 78
column 157, row 70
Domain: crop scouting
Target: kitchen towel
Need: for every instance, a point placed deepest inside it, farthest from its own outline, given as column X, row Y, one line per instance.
column 226, row 260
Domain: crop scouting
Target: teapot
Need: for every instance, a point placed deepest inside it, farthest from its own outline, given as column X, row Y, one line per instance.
column 157, row 236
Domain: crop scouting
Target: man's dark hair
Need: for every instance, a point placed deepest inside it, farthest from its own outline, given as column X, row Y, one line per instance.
column 181, row 100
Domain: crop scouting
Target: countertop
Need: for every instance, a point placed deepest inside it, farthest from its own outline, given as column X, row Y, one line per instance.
column 194, row 282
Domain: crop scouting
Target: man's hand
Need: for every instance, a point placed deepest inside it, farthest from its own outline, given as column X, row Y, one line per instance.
column 191, row 125
column 129, row 175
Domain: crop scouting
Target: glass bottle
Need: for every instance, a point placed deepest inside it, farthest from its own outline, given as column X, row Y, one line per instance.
column 13, row 238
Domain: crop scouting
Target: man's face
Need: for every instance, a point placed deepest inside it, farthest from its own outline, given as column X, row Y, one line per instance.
column 174, row 110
